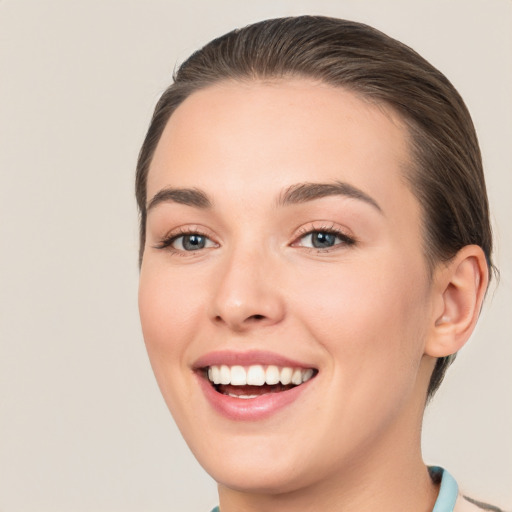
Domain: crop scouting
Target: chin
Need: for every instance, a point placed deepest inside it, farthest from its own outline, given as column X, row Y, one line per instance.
column 253, row 478
column 261, row 464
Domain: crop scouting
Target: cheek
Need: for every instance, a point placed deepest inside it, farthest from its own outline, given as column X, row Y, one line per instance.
column 371, row 326
column 167, row 304
column 368, row 319
column 168, row 307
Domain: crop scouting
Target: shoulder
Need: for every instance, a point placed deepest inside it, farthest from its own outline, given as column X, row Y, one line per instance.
column 466, row 504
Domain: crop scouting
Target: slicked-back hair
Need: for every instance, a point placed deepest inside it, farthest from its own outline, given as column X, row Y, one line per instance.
column 445, row 171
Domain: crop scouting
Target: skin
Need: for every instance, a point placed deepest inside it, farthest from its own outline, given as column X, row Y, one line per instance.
column 352, row 440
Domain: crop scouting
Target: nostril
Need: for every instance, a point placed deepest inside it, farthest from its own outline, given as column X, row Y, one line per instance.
column 256, row 317
column 235, row 324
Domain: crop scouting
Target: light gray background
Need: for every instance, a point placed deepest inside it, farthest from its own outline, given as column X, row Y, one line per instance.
column 82, row 424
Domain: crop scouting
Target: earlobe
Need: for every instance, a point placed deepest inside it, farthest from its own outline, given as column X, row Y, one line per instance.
column 459, row 288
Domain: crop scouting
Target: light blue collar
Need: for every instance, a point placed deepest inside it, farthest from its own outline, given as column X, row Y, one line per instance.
column 448, row 491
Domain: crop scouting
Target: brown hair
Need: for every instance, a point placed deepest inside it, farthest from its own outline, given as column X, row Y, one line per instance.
column 446, row 172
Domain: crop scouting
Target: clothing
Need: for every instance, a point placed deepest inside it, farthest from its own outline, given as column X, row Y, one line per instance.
column 449, row 498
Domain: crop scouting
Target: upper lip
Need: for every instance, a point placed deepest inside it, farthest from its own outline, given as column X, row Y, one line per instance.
column 247, row 358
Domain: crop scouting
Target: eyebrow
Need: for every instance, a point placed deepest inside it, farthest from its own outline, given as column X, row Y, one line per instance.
column 304, row 192
column 295, row 194
column 188, row 196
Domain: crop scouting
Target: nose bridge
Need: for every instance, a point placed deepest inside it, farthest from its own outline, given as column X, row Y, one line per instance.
column 247, row 293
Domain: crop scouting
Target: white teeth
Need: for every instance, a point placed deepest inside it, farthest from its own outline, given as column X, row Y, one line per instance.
column 225, row 374
column 297, row 377
column 215, row 375
column 306, row 375
column 238, row 376
column 286, row 375
column 272, row 375
column 257, row 375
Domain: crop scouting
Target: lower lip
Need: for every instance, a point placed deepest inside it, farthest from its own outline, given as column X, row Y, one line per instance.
column 250, row 409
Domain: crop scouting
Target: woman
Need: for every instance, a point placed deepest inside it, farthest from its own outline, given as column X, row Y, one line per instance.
column 315, row 248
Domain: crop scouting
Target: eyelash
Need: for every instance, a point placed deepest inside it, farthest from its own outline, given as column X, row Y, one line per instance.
column 346, row 240
column 166, row 243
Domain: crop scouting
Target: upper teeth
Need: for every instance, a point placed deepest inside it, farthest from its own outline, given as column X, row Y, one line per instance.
column 258, row 375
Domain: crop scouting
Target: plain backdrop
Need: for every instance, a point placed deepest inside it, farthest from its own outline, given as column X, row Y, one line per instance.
column 82, row 423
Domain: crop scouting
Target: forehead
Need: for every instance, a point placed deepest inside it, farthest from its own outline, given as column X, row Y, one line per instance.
column 252, row 134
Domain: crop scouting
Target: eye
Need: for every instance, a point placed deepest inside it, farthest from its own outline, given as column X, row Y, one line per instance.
column 186, row 240
column 191, row 242
column 319, row 239
column 323, row 239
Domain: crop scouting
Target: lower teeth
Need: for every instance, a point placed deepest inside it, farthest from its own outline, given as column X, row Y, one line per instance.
column 249, row 393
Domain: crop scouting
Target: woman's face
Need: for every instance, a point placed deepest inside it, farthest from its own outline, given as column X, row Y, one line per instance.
column 283, row 243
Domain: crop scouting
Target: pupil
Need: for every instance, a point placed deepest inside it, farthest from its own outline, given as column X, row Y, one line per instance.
column 193, row 242
column 321, row 240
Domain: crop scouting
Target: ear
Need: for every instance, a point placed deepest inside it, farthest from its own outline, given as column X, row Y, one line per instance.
column 459, row 288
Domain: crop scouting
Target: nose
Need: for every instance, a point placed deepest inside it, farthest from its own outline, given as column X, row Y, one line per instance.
column 247, row 294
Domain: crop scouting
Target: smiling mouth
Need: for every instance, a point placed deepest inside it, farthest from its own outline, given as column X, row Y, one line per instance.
column 253, row 381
